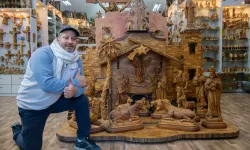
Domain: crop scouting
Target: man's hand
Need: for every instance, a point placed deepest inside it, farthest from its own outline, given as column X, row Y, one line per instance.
column 81, row 79
column 70, row 91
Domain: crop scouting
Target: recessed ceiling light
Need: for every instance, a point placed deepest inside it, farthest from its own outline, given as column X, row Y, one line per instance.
column 49, row 6
column 17, row 10
column 2, row 10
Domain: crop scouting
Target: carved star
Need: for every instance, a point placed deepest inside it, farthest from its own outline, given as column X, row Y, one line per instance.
column 99, row 14
column 142, row 50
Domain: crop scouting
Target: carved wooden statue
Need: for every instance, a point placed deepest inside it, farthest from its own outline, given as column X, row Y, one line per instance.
column 190, row 14
column 140, row 67
column 181, row 85
column 130, row 24
column 178, row 118
column 159, row 110
column 113, row 6
column 123, row 90
column 137, row 60
column 176, row 36
column 126, row 114
column 159, row 84
column 198, row 82
column 187, row 104
column 213, row 86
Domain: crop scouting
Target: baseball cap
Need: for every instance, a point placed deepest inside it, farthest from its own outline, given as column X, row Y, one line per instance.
column 66, row 28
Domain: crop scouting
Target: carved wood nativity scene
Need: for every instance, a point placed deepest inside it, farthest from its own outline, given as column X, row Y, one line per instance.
column 148, row 85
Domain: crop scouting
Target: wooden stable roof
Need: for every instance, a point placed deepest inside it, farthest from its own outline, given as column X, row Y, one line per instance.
column 135, row 40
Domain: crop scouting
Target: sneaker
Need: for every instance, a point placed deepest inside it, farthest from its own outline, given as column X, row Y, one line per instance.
column 86, row 144
column 16, row 127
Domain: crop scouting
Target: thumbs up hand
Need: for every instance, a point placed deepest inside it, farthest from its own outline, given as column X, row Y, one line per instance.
column 70, row 90
column 81, row 79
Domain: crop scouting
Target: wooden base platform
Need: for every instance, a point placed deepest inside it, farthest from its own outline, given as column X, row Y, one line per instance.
column 150, row 134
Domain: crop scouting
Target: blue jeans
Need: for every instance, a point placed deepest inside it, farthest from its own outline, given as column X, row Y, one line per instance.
column 33, row 121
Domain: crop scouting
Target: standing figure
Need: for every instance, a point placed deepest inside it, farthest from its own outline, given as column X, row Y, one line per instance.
column 176, row 36
column 198, row 82
column 181, row 85
column 213, row 86
column 190, row 14
column 140, row 67
column 159, row 84
column 123, row 90
column 113, row 6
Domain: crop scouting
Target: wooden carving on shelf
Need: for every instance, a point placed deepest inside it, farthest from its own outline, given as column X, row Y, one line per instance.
column 137, row 60
column 18, row 60
column 14, row 32
column 7, row 45
column 27, row 33
column 28, row 54
column 1, row 37
column 2, row 58
column 190, row 14
column 9, row 55
column 20, row 23
column 28, row 17
column 213, row 87
column 21, row 44
column 113, row 6
column 5, row 18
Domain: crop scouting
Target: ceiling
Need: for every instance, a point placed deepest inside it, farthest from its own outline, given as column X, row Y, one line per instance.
column 92, row 9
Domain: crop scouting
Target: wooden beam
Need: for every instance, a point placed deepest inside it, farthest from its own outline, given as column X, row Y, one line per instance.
column 106, row 1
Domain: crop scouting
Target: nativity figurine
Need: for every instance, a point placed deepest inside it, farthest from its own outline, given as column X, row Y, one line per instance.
column 113, row 6
column 190, row 14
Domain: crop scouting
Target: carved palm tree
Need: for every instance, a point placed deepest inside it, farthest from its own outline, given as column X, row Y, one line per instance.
column 109, row 49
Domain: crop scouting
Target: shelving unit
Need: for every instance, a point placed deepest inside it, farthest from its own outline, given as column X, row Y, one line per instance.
column 51, row 19
column 18, row 41
column 42, row 17
column 236, row 35
column 207, row 19
column 54, row 22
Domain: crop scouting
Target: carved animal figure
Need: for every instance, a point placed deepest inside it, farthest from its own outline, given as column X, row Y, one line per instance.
column 178, row 113
column 126, row 112
column 187, row 104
